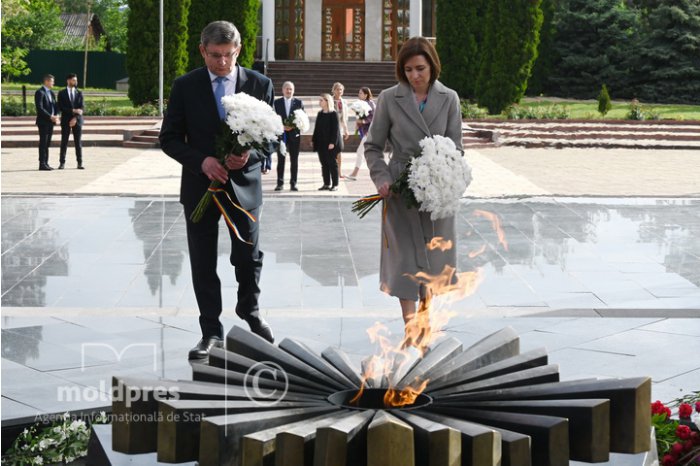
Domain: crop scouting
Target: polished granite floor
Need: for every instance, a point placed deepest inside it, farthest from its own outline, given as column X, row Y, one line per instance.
column 94, row 286
column 101, row 252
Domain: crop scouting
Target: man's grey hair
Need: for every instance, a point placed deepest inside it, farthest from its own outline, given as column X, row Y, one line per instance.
column 288, row 83
column 220, row 32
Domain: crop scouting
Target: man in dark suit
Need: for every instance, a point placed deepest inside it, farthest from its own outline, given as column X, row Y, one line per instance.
column 285, row 106
column 188, row 135
column 46, row 119
column 70, row 102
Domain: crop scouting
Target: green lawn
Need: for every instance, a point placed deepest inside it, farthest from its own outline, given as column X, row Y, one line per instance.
column 94, row 105
column 588, row 110
column 34, row 86
column 576, row 109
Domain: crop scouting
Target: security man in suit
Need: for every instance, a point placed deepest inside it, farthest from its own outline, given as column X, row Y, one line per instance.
column 70, row 102
column 188, row 135
column 46, row 119
column 285, row 106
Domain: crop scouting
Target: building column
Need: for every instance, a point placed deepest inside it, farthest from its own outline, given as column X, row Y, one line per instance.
column 373, row 30
column 416, row 18
column 313, row 31
column 268, row 29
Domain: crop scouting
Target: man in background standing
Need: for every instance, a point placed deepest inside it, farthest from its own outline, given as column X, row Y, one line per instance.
column 46, row 118
column 70, row 102
column 285, row 106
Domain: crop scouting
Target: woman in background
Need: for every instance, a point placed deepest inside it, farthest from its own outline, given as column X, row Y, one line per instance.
column 327, row 142
column 363, row 128
column 342, row 112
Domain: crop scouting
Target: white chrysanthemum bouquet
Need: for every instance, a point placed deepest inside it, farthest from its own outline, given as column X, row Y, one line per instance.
column 433, row 181
column 361, row 108
column 250, row 124
column 298, row 120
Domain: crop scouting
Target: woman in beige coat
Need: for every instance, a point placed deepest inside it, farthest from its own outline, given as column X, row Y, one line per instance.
column 418, row 106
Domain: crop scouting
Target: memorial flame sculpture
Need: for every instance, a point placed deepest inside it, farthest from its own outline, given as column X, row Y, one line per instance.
column 488, row 404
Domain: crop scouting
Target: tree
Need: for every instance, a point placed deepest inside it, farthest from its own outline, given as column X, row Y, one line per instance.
column 246, row 14
column 509, row 50
column 604, row 104
column 113, row 15
column 143, row 40
column 25, row 26
column 39, row 20
column 668, row 61
column 594, row 42
column 201, row 14
column 459, row 38
column 242, row 13
column 546, row 50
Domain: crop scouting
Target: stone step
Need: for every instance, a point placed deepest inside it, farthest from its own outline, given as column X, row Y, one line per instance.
column 313, row 78
column 139, row 145
column 145, row 138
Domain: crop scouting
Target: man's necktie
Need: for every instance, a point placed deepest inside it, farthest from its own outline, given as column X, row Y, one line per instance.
column 219, row 92
column 70, row 95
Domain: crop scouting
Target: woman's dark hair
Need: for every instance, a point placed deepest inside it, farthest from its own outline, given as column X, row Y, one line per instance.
column 417, row 46
column 367, row 92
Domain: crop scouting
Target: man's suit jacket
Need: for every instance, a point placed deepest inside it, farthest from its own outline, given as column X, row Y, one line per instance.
column 189, row 131
column 66, row 107
column 45, row 107
column 292, row 136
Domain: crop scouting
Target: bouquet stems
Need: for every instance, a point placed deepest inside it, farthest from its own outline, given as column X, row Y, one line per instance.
column 362, row 206
column 224, row 146
column 400, row 187
column 204, row 202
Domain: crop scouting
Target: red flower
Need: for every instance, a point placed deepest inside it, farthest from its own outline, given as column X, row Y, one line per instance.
column 697, row 406
column 687, row 446
column 676, row 450
column 657, row 407
column 695, row 438
column 668, row 460
column 685, row 410
column 683, row 432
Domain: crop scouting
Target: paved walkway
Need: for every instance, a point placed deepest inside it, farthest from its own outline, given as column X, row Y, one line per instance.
column 497, row 172
column 601, row 266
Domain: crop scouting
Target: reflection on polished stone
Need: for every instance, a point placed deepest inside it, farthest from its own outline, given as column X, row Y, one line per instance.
column 554, row 253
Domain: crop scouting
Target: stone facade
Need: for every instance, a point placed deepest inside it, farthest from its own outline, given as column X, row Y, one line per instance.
column 341, row 30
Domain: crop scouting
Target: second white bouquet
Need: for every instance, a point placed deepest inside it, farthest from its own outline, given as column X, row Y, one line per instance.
column 433, row 181
column 361, row 108
column 439, row 177
column 298, row 120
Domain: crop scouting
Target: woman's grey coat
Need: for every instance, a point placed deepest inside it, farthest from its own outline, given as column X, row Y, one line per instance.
column 406, row 233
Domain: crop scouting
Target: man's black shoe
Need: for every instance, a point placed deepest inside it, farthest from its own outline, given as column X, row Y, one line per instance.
column 278, row 187
column 80, row 166
column 293, row 188
column 258, row 326
column 45, row 167
column 61, row 167
column 325, row 187
column 201, row 350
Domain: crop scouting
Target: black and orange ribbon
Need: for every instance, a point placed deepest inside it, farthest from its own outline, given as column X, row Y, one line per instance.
column 229, row 221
